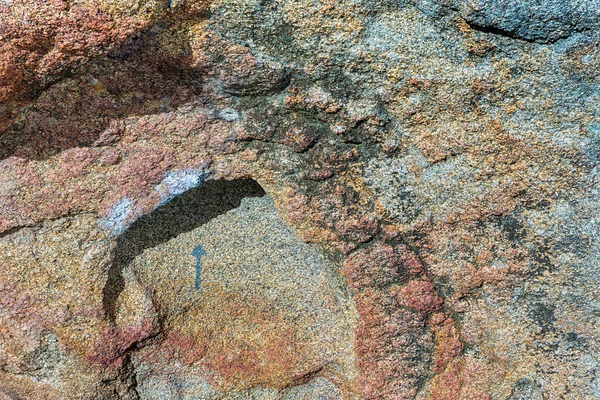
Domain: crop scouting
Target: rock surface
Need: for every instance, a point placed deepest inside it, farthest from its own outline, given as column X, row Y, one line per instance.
column 295, row 199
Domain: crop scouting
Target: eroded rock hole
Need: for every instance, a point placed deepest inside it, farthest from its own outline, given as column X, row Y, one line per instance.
column 271, row 310
column 184, row 213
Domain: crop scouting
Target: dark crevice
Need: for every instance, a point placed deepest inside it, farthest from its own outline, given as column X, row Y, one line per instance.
column 513, row 35
column 11, row 231
column 307, row 377
column 123, row 384
column 184, row 213
column 501, row 32
column 39, row 224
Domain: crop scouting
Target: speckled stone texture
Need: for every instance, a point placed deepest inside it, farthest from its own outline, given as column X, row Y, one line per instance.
column 300, row 199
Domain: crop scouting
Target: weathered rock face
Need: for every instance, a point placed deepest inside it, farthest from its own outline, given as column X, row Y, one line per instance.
column 532, row 20
column 297, row 199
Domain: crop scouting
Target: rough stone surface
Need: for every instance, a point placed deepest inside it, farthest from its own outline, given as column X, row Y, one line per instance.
column 299, row 199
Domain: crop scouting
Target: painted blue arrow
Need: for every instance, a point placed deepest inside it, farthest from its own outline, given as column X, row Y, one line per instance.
column 198, row 253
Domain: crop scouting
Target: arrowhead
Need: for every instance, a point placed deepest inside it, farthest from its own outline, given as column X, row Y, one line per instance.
column 198, row 251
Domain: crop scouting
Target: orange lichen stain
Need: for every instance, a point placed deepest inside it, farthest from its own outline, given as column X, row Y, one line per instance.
column 479, row 47
column 466, row 378
column 112, row 343
column 371, row 345
column 184, row 348
column 420, row 84
column 464, row 27
column 480, row 86
column 241, row 341
column 296, row 98
column 447, row 385
column 447, row 341
column 249, row 155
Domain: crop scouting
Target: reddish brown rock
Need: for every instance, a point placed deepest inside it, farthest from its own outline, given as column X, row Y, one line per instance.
column 438, row 163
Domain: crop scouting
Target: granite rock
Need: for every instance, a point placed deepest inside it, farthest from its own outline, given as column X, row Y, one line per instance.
column 295, row 199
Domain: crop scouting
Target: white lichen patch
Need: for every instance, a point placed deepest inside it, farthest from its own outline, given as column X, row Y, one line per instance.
column 178, row 182
column 117, row 219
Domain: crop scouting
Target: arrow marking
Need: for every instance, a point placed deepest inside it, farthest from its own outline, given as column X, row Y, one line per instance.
column 198, row 253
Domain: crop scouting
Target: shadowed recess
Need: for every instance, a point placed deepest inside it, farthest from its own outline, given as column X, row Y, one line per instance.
column 184, row 213
column 75, row 110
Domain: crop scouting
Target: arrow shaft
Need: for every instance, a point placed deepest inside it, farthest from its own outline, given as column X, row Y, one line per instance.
column 198, row 253
column 198, row 271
